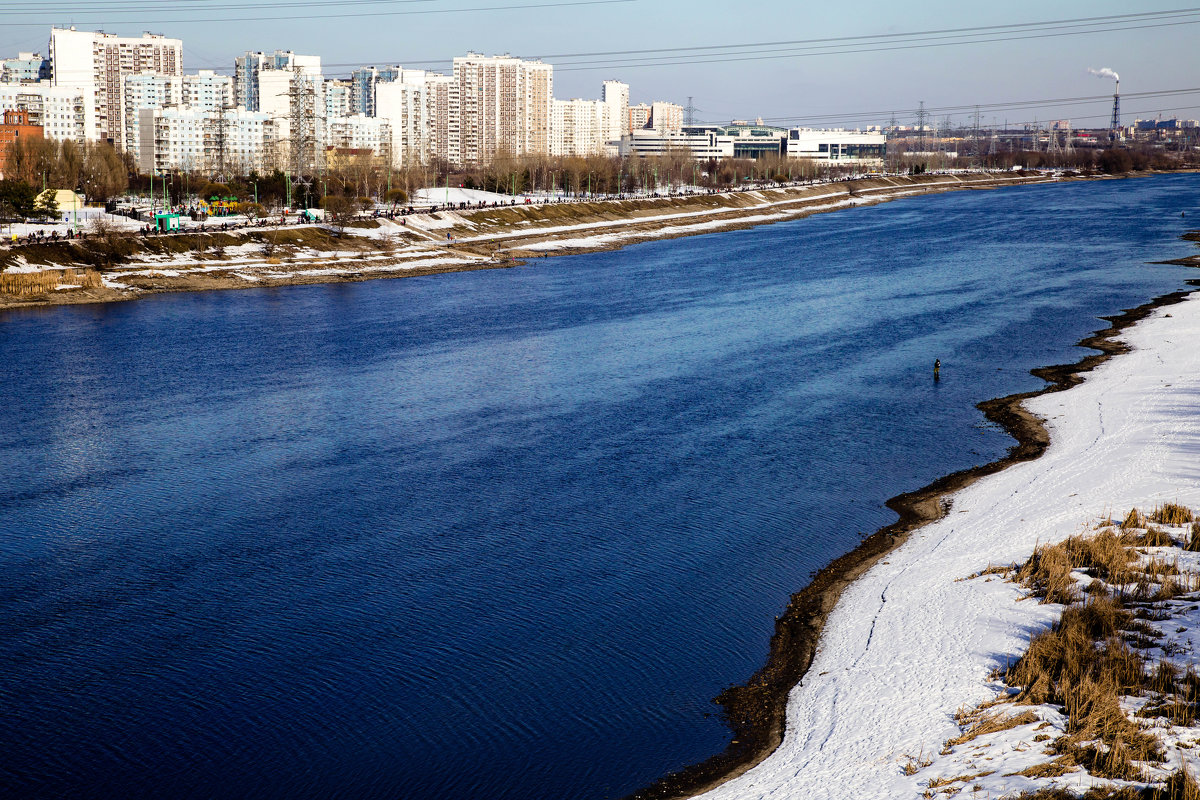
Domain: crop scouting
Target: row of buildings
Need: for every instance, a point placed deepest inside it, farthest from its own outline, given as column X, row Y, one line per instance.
column 278, row 110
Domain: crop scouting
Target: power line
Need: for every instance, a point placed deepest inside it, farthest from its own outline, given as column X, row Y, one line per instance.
column 184, row 5
column 841, row 45
column 141, row 16
column 991, row 107
column 801, row 53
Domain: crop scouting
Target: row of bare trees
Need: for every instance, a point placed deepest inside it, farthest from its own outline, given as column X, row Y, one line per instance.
column 101, row 172
column 94, row 168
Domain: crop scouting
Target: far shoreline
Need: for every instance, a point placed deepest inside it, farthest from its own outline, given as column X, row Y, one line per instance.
column 459, row 240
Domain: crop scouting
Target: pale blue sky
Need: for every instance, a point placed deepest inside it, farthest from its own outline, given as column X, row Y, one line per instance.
column 791, row 88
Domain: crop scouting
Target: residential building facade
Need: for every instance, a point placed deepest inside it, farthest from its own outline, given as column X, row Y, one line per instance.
column 505, row 106
column 62, row 113
column 16, row 126
column 96, row 64
column 25, row 68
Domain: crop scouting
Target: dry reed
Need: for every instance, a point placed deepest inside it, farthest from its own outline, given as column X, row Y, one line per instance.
column 1172, row 514
column 26, row 284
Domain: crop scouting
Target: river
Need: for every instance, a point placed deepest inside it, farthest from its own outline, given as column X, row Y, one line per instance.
column 500, row 534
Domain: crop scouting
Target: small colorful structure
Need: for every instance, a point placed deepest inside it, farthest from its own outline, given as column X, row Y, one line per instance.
column 166, row 221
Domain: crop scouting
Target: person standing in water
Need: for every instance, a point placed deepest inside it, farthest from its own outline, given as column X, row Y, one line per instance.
column 937, row 368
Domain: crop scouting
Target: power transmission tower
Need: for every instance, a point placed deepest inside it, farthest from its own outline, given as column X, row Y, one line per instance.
column 303, row 119
column 221, row 138
column 976, row 135
column 689, row 119
column 921, row 126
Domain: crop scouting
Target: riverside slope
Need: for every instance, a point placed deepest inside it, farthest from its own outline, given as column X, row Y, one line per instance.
column 448, row 241
column 911, row 642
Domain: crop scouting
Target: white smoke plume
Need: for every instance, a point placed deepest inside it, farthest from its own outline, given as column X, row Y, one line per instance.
column 1104, row 72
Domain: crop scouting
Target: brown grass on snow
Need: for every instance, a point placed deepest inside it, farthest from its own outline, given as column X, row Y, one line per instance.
column 24, row 284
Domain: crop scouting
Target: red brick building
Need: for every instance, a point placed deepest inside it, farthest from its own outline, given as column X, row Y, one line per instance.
column 16, row 125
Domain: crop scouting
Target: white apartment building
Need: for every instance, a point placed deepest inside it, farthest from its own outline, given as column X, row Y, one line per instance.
column 666, row 117
column 402, row 105
column 615, row 97
column 443, row 118
column 837, row 146
column 359, row 132
column 578, row 127
column 96, row 63
column 505, row 106
column 62, row 112
column 423, row 109
column 338, row 99
column 362, row 86
column 25, row 68
column 188, row 139
column 145, row 90
column 638, row 118
column 208, row 91
column 247, row 68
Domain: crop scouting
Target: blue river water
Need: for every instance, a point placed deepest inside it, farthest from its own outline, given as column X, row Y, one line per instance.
column 499, row 534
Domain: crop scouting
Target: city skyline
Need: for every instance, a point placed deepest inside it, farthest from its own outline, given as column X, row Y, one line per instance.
column 732, row 70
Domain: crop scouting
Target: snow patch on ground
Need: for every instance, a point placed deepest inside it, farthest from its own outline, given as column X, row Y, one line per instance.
column 912, row 642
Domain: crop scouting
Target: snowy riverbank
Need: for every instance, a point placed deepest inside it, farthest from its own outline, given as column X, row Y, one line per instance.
column 913, row 641
column 446, row 240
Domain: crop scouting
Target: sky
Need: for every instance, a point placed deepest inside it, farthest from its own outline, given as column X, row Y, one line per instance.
column 735, row 60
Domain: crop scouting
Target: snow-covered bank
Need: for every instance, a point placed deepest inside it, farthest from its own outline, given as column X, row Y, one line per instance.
column 912, row 641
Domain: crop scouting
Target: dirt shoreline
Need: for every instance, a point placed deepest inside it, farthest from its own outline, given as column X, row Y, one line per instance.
column 491, row 238
column 756, row 711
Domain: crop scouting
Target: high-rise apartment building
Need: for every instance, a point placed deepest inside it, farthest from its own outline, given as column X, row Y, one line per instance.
column 338, row 99
column 402, row 104
column 505, row 106
column 62, row 113
column 358, row 132
column 423, row 109
column 25, row 68
column 578, row 127
column 443, row 118
column 199, row 141
column 208, row 91
column 362, row 87
column 248, row 67
column 96, row 63
column 145, row 90
column 666, row 117
column 615, row 97
column 637, row 119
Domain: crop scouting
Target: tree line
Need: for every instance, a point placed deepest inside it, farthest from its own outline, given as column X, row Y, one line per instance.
column 102, row 173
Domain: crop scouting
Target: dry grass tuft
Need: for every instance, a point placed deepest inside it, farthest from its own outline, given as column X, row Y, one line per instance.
column 27, row 284
column 1193, row 544
column 1132, row 520
column 1156, row 537
column 993, row 723
column 1172, row 514
column 913, row 765
column 1052, row 769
